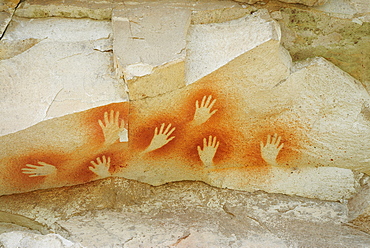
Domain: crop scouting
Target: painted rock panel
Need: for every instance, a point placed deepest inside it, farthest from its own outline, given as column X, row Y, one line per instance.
column 258, row 122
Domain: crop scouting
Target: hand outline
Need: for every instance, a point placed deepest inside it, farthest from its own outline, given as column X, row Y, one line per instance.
column 209, row 150
column 101, row 168
column 161, row 137
column 270, row 151
column 111, row 127
column 203, row 111
column 43, row 169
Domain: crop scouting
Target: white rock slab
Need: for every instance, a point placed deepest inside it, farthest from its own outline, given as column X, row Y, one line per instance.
column 211, row 46
column 149, row 36
column 66, row 72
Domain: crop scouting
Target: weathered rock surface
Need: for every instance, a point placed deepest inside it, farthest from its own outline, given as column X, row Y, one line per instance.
column 359, row 208
column 349, row 8
column 214, row 97
column 211, row 46
column 25, row 239
column 65, row 67
column 343, row 40
column 120, row 212
column 303, row 2
column 146, row 53
column 279, row 127
column 7, row 8
column 145, row 41
column 306, row 2
column 98, row 10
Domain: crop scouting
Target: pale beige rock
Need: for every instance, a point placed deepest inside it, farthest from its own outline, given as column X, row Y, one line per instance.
column 11, row 48
column 7, row 8
column 66, row 69
column 338, row 118
column 359, row 207
column 4, row 21
column 218, row 15
column 102, row 10
column 144, row 38
column 160, row 80
column 145, row 52
column 340, row 8
column 211, row 46
column 117, row 212
column 361, row 6
column 21, row 239
column 150, row 46
column 9, row 227
column 324, row 183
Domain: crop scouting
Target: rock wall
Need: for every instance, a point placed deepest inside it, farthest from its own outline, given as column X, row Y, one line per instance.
column 177, row 91
column 247, row 96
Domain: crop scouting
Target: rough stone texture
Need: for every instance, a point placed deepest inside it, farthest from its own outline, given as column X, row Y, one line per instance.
column 119, row 212
column 7, row 8
column 99, row 10
column 25, row 239
column 102, row 10
column 343, row 40
column 359, row 208
column 74, row 73
column 303, row 2
column 9, row 227
column 346, row 8
column 306, row 2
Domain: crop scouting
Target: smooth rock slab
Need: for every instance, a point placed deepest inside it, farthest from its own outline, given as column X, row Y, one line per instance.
column 211, row 46
column 66, row 70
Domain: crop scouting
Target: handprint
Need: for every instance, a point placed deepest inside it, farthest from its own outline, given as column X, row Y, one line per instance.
column 203, row 111
column 209, row 150
column 111, row 127
column 101, row 168
column 271, row 150
column 160, row 138
column 43, row 169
